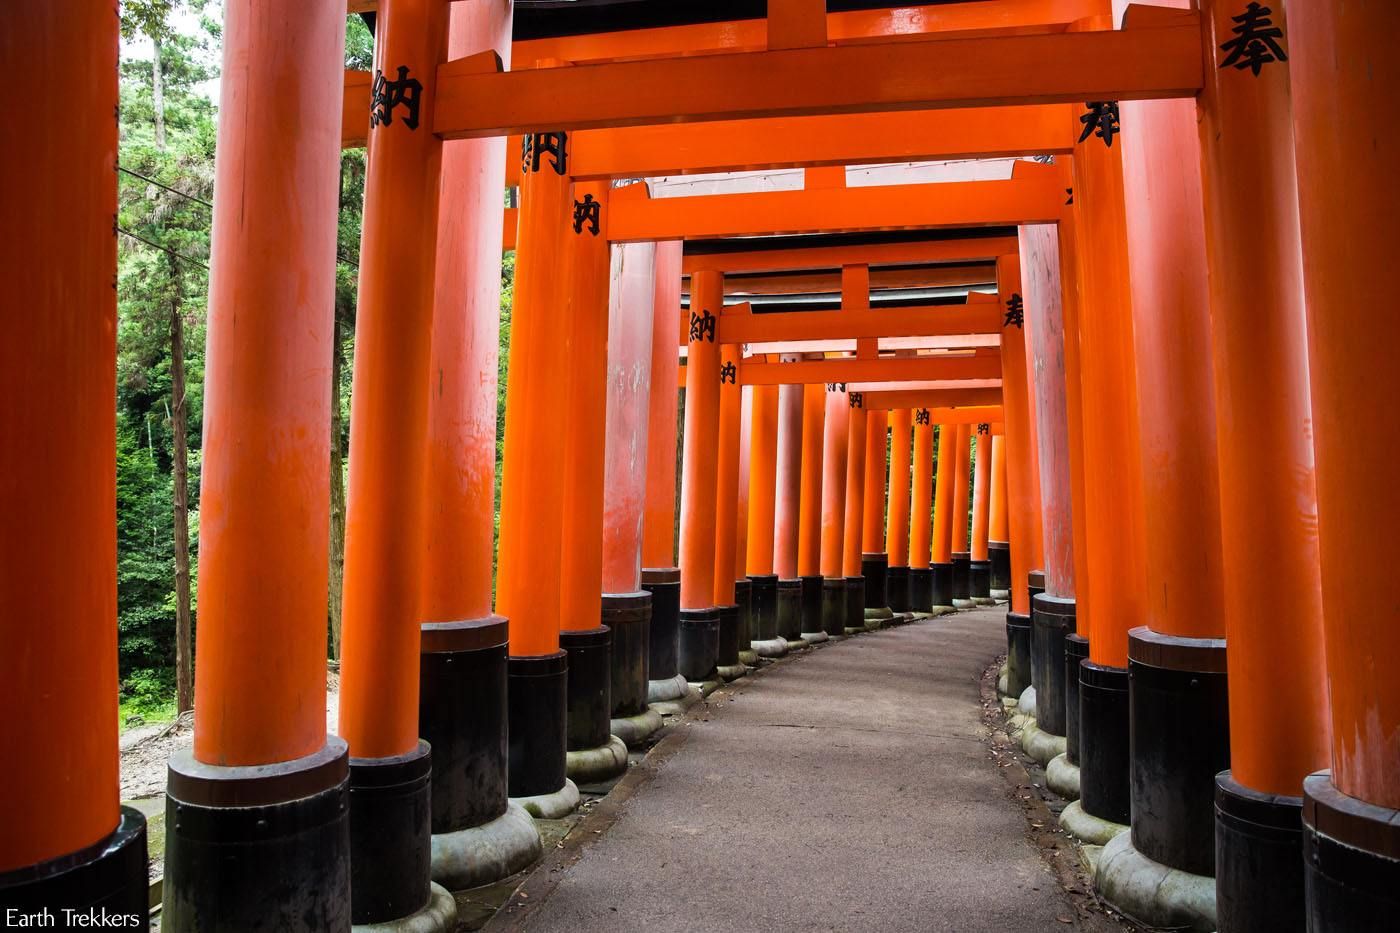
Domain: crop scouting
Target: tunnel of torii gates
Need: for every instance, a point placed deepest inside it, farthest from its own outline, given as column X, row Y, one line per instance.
column 1153, row 363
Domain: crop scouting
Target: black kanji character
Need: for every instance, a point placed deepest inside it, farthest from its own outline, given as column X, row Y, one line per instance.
column 702, row 328
column 535, row 145
column 921, row 416
column 1256, row 40
column 1015, row 311
column 1101, row 121
column 587, row 212
column 728, row 373
column 857, row 399
column 984, row 428
column 385, row 95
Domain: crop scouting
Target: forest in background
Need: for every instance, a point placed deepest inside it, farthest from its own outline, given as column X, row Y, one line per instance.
column 168, row 120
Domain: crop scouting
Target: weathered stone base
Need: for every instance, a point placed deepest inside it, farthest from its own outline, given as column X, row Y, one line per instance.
column 881, row 613
column 1151, row 893
column 960, row 603
column 797, row 644
column 772, row 648
column 485, row 854
column 553, row 806
column 439, row 915
column 635, row 730
column 594, row 765
column 678, row 706
column 1043, row 746
column 706, row 687
column 1025, row 703
column 984, row 600
column 748, row 657
column 1001, row 595
column 673, row 688
column 874, row 625
column 815, row 638
column 1088, row 828
column 731, row 672
column 1062, row 777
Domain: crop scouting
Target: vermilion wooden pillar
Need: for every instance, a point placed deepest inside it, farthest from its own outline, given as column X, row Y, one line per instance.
column 943, row 516
column 921, row 516
column 835, row 443
column 727, row 510
column 698, row 644
column 961, row 553
column 897, row 574
column 627, row 608
column 787, row 517
column 660, row 575
column 874, row 560
column 593, row 753
column 763, row 472
column 980, row 568
column 58, row 649
column 1345, row 85
column 530, row 565
column 809, row 521
column 1112, row 466
column 998, row 530
column 261, row 642
column 855, row 512
column 462, row 665
column 1177, row 658
column 743, row 589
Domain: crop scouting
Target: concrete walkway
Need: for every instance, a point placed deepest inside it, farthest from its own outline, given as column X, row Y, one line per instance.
column 847, row 789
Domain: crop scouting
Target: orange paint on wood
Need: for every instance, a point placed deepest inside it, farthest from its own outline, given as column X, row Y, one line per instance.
column 948, row 406
column 962, row 476
column 763, row 476
column 58, row 576
column 981, row 480
column 873, row 504
column 731, row 397
column 264, row 507
column 1071, row 309
column 835, row 441
column 809, row 523
column 997, row 526
column 832, row 257
column 659, row 519
column 901, row 420
column 1023, row 513
column 858, row 321
column 787, row 517
column 943, row 494
column 700, row 463
column 921, row 507
column 855, row 487
column 885, row 369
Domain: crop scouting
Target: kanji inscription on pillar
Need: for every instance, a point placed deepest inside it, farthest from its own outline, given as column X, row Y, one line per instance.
column 984, row 428
column 535, row 146
column 921, row 416
column 729, row 373
column 587, row 212
column 857, row 400
column 386, row 95
column 1101, row 120
column 1015, row 311
column 836, row 387
column 702, row 327
column 1256, row 42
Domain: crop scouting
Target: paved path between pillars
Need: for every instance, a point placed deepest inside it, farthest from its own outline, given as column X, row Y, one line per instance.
column 848, row 789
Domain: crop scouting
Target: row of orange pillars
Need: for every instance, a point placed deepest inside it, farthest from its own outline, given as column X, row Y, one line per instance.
column 1199, row 453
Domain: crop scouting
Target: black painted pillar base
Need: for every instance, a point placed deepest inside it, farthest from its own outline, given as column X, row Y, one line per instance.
column 979, row 579
column 1180, row 740
column 999, row 553
column 834, row 606
column 1258, row 860
column 727, row 649
column 589, row 687
column 962, row 579
column 921, row 589
column 855, row 605
column 390, row 835
column 743, row 596
column 873, row 568
column 108, row 877
column 1351, row 860
column 943, row 584
column 1104, row 759
column 539, row 704
column 462, row 715
column 234, row 835
column 1018, row 653
column 763, row 606
column 664, row 585
column 1076, row 650
column 897, row 588
column 698, row 652
column 790, row 610
column 629, row 617
column 1052, row 618
column 811, row 605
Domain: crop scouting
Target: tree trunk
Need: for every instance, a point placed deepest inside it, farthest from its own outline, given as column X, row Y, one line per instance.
column 158, row 96
column 184, row 655
column 337, row 492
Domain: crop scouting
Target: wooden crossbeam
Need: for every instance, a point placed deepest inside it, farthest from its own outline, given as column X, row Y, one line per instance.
column 1156, row 60
column 824, row 281
column 894, row 369
column 854, row 323
column 1035, row 199
column 944, row 401
column 980, row 414
column 832, row 257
